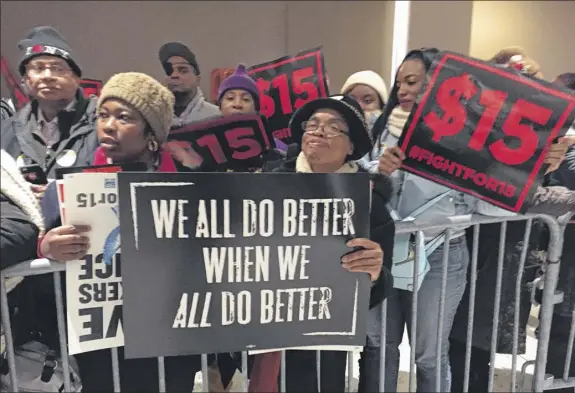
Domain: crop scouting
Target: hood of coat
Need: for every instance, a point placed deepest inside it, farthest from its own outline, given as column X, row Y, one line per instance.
column 14, row 187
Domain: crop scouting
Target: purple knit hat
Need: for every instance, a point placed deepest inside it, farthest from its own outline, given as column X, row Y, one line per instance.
column 240, row 80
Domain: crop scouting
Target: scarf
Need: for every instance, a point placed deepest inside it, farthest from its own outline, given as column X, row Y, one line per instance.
column 396, row 121
column 302, row 166
column 194, row 107
column 166, row 163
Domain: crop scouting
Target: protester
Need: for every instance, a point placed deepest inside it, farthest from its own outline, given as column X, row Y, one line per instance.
column 334, row 135
column 412, row 193
column 370, row 90
column 554, row 201
column 134, row 118
column 415, row 196
column 237, row 94
column 183, row 80
column 56, row 128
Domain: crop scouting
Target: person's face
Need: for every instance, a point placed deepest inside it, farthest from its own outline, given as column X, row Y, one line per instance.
column 50, row 78
column 326, row 138
column 122, row 131
column 183, row 78
column 366, row 97
column 410, row 80
column 237, row 101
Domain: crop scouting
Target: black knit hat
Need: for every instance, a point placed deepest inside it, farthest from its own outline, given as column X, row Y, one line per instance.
column 177, row 49
column 352, row 114
column 46, row 41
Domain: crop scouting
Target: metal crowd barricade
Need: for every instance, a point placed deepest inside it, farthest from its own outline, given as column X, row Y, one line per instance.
column 541, row 381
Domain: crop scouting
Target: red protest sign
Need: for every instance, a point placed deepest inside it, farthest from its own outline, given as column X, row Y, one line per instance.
column 217, row 76
column 91, row 87
column 19, row 97
column 285, row 85
column 231, row 142
column 485, row 130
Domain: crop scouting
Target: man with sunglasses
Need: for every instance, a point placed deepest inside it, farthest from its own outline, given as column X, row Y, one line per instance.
column 56, row 128
column 183, row 80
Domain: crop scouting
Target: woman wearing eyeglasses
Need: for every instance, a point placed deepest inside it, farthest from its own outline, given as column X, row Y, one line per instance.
column 334, row 136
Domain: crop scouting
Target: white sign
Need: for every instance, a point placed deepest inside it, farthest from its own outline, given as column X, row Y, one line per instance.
column 94, row 284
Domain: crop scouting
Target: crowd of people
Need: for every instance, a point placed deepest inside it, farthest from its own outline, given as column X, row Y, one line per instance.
column 355, row 131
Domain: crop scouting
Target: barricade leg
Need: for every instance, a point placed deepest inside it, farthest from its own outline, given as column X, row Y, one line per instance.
column 8, row 334
column 62, row 330
column 471, row 315
column 518, row 290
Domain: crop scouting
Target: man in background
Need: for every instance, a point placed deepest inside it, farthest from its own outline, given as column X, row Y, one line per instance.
column 183, row 79
column 56, row 128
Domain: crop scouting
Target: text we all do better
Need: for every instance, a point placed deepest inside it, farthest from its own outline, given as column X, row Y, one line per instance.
column 251, row 264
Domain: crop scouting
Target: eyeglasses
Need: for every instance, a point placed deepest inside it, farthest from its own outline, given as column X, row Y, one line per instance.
column 330, row 130
column 40, row 69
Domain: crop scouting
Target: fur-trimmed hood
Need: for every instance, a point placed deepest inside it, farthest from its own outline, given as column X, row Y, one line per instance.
column 14, row 187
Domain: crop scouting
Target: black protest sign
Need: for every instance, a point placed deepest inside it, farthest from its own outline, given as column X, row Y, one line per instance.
column 233, row 142
column 285, row 85
column 484, row 130
column 220, row 262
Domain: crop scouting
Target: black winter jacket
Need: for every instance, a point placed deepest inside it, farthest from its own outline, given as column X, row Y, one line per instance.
column 77, row 130
column 382, row 228
column 19, row 234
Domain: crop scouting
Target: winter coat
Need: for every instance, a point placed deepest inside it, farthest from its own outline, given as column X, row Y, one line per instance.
column 78, row 137
column 21, row 224
column 22, row 221
column 382, row 228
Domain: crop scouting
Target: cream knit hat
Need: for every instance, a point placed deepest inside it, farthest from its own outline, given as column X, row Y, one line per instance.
column 368, row 78
column 147, row 95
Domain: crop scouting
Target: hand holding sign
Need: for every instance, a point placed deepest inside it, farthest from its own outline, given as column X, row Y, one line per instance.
column 557, row 152
column 65, row 243
column 367, row 259
column 485, row 130
column 391, row 160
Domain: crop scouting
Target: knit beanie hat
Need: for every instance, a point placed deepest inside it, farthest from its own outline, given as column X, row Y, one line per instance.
column 368, row 78
column 171, row 49
column 147, row 95
column 45, row 40
column 240, row 80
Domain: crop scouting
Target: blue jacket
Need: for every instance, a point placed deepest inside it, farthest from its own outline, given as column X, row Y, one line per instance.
column 412, row 191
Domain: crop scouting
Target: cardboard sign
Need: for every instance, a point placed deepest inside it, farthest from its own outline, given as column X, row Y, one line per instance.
column 285, row 85
column 232, row 142
column 19, row 97
column 91, row 87
column 60, row 184
column 94, row 283
column 484, row 130
column 218, row 262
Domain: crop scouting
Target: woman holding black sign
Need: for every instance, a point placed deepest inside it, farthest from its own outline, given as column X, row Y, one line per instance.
column 334, row 135
column 134, row 116
column 420, row 198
